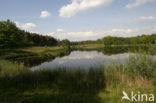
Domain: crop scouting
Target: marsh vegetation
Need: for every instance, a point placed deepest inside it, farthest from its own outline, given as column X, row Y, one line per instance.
column 18, row 84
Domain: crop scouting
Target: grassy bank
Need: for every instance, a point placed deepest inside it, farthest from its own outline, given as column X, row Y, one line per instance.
column 33, row 55
column 97, row 85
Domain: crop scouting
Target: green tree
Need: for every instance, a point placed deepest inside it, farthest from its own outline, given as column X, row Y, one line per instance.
column 66, row 44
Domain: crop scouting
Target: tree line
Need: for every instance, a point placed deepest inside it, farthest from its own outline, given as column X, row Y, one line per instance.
column 109, row 40
column 144, row 39
column 12, row 37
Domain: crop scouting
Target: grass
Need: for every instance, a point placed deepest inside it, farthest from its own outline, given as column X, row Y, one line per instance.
column 138, row 68
column 57, row 86
column 33, row 55
column 18, row 84
column 138, row 74
column 31, row 51
column 10, row 69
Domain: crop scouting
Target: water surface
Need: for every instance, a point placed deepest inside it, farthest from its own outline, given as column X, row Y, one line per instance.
column 83, row 59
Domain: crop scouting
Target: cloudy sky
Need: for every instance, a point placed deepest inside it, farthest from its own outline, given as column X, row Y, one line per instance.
column 82, row 19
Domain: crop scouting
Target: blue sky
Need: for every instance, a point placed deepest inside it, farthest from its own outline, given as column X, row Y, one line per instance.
column 82, row 19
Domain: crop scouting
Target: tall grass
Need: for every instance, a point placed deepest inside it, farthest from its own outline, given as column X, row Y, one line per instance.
column 49, row 86
column 11, row 69
column 138, row 72
column 19, row 84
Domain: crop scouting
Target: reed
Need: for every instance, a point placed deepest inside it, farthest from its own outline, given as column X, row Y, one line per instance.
column 18, row 84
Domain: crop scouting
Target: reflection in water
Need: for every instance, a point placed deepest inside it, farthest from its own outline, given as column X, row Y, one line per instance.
column 37, row 60
column 83, row 59
column 95, row 57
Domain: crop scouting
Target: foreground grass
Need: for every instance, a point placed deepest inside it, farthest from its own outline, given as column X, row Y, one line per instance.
column 57, row 86
column 139, row 74
column 100, row 85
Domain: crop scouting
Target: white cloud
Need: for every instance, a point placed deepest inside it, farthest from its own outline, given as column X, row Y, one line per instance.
column 93, row 35
column 118, row 32
column 51, row 34
column 147, row 18
column 138, row 3
column 60, row 30
column 26, row 26
column 79, row 5
column 35, row 32
column 80, row 35
column 154, row 29
column 45, row 14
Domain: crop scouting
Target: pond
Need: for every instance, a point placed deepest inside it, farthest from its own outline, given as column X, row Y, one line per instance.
column 85, row 58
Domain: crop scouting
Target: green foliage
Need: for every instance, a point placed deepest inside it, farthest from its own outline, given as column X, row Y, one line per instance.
column 61, row 85
column 34, row 55
column 109, row 40
column 40, row 40
column 50, row 86
column 11, row 37
column 137, row 72
column 99, row 41
column 144, row 39
column 66, row 44
column 142, row 65
column 9, row 69
column 115, row 40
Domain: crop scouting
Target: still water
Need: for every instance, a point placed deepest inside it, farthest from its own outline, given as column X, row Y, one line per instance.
column 83, row 59
column 93, row 57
